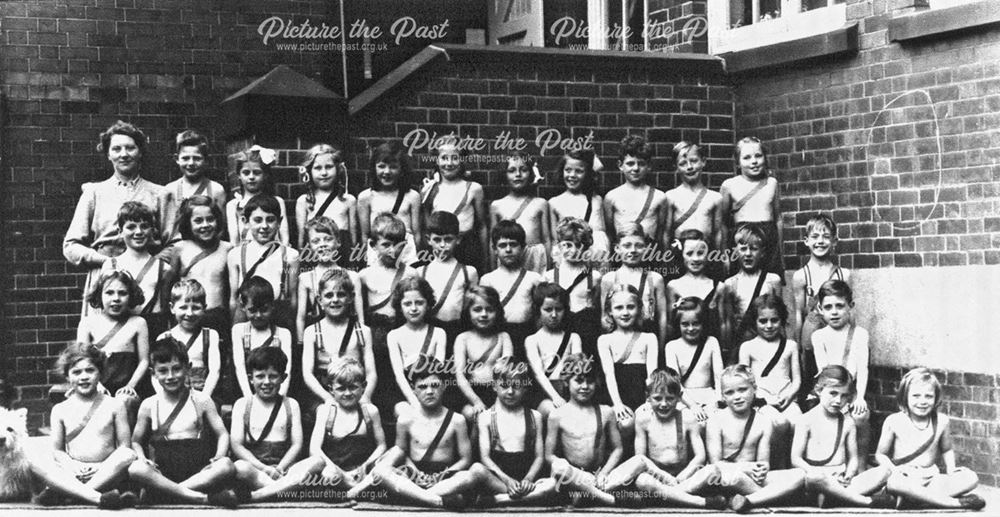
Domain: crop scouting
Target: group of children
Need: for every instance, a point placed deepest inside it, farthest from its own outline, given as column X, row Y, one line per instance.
column 487, row 385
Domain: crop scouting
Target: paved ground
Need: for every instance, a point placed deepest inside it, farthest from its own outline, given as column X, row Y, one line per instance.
column 992, row 496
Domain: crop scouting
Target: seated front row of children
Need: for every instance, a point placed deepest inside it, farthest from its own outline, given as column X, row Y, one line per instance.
column 181, row 451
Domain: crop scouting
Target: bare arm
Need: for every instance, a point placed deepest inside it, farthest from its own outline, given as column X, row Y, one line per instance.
column 886, row 442
column 296, row 437
column 301, row 211
column 368, row 354
column 141, row 348
column 461, row 380
column 142, row 425
column 239, row 433
column 364, row 215
column 615, row 439
column 207, row 407
column 697, row 449
column 462, row 443
column 609, row 220
column 663, row 310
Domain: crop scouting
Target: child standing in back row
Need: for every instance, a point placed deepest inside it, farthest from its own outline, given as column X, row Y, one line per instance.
column 449, row 184
column 390, row 192
column 253, row 171
column 636, row 201
column 448, row 276
column 752, row 198
column 324, row 174
column 524, row 208
column 579, row 201
column 191, row 157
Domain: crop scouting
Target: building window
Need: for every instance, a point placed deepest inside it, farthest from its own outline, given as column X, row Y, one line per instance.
column 735, row 25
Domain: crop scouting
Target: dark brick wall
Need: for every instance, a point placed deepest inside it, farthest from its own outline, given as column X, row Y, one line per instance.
column 69, row 70
column 897, row 141
column 678, row 26
column 482, row 95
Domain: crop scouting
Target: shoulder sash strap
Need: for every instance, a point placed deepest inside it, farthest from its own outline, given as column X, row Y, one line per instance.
column 278, row 404
column 331, row 417
column 774, row 358
column 758, row 186
column 428, row 200
column 318, row 337
column 679, row 429
column 119, row 325
column 427, row 340
column 744, row 322
column 346, row 340
column 628, row 348
column 923, row 447
column 190, row 341
column 437, row 438
column 559, row 353
column 164, row 428
column 202, row 255
column 645, row 206
column 810, row 292
column 494, row 430
column 465, row 199
column 489, row 350
column 145, row 269
column 836, row 445
column 707, row 301
column 520, row 209
column 599, row 442
column 322, row 208
column 584, row 275
column 590, row 209
column 447, row 287
column 642, row 283
column 73, row 433
column 513, row 288
column 694, row 360
column 847, row 344
column 746, row 432
column 529, row 430
column 205, row 339
column 270, row 339
column 400, row 194
column 263, row 256
column 395, row 280
column 691, row 209
column 148, row 309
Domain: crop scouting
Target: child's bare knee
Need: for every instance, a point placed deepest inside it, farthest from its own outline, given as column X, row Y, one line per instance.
column 645, row 481
column 140, row 469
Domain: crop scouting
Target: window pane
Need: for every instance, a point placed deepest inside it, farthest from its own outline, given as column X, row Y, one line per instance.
column 741, row 12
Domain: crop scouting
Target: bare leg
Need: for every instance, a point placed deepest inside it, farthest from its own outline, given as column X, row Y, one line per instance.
column 827, row 484
column 941, row 492
column 54, row 476
column 779, row 483
column 112, row 468
column 544, row 489
column 545, row 407
column 704, row 477
column 217, row 472
column 396, row 481
column 148, row 477
column 571, row 478
column 626, row 472
column 461, row 481
column 297, row 473
column 674, row 494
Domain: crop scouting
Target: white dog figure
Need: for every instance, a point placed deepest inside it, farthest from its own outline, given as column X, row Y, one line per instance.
column 15, row 471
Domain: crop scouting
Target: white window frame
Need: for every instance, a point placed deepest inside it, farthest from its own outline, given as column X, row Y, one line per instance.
column 790, row 26
column 944, row 4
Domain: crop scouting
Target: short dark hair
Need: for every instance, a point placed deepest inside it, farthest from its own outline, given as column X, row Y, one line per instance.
column 135, row 296
column 391, row 153
column 427, row 366
column 76, row 352
column 264, row 357
column 635, row 145
column 442, row 223
column 412, row 283
column 835, row 288
column 549, row 290
column 508, row 230
column 167, row 349
column 266, row 203
column 191, row 138
column 136, row 211
column 256, row 292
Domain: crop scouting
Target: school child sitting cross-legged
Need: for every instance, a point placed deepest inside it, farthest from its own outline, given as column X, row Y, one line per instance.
column 511, row 447
column 266, row 430
column 826, row 446
column 738, row 442
column 183, row 464
column 430, row 464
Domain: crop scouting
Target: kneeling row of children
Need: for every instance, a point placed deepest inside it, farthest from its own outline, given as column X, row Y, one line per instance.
column 432, row 462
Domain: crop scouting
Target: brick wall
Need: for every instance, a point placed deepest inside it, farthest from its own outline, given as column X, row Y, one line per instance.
column 898, row 142
column 678, row 26
column 483, row 94
column 72, row 68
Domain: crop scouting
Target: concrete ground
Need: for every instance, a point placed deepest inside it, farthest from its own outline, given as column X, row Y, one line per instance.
column 992, row 496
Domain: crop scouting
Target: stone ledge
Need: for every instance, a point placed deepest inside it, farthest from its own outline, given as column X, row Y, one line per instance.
column 926, row 24
column 838, row 41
